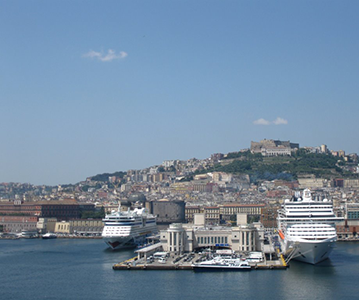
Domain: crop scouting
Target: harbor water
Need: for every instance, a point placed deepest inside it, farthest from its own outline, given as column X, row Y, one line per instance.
column 82, row 269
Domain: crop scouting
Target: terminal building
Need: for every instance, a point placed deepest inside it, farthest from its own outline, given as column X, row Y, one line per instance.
column 181, row 238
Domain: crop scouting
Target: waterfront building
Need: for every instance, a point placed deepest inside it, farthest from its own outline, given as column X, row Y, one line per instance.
column 180, row 238
column 18, row 223
column 86, row 226
column 46, row 225
column 62, row 227
column 81, row 227
column 64, row 209
column 349, row 227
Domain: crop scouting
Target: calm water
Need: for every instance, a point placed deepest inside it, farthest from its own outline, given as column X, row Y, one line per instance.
column 82, row 269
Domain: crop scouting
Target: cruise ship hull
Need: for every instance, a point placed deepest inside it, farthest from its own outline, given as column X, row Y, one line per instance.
column 312, row 252
column 130, row 241
column 117, row 242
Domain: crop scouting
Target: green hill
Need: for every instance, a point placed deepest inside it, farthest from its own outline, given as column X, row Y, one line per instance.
column 284, row 167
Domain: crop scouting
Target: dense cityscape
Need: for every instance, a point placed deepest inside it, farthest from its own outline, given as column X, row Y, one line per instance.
column 176, row 190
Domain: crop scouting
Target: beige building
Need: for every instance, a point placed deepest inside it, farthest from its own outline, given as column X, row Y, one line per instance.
column 227, row 210
column 351, row 183
column 46, row 225
column 180, row 238
column 85, row 226
column 88, row 226
column 310, row 182
column 62, row 227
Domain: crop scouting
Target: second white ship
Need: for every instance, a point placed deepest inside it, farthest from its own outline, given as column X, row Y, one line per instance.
column 128, row 229
column 307, row 228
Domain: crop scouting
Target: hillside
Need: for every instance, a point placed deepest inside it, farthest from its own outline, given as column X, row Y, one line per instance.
column 285, row 167
column 268, row 168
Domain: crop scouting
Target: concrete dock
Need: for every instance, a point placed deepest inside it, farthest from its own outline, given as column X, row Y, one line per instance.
column 184, row 262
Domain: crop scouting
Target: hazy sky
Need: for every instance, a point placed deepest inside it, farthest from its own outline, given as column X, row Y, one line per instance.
column 89, row 87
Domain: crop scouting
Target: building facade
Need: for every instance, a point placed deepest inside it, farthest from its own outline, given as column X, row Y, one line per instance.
column 181, row 238
column 167, row 212
column 18, row 223
column 62, row 210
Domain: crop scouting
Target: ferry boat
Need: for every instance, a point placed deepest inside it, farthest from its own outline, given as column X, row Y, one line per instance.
column 222, row 264
column 307, row 228
column 26, row 234
column 49, row 235
column 128, row 229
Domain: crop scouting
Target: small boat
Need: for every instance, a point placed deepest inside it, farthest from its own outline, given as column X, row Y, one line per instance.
column 49, row 235
column 222, row 264
column 25, row 234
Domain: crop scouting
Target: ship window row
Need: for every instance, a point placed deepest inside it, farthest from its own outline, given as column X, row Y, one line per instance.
column 113, row 220
column 307, row 206
column 313, row 236
column 316, row 238
column 311, row 227
column 311, row 211
column 307, row 220
column 317, row 213
column 306, row 231
column 309, row 233
column 311, row 230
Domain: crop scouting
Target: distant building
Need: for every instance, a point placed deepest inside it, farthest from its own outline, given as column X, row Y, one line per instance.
column 46, row 225
column 81, row 227
column 18, row 223
column 311, row 182
column 228, row 210
column 323, row 149
column 212, row 214
column 274, row 147
column 168, row 212
column 215, row 157
column 169, row 163
column 62, row 210
column 190, row 211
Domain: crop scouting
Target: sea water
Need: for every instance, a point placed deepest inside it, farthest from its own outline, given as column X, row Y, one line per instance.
column 82, row 269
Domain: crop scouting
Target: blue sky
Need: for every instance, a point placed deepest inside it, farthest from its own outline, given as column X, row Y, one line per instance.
column 89, row 87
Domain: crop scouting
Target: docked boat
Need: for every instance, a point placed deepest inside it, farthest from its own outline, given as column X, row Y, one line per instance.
column 26, row 234
column 49, row 235
column 128, row 229
column 222, row 264
column 307, row 228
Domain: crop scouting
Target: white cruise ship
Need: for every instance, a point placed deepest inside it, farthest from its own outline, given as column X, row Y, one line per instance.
column 126, row 229
column 307, row 228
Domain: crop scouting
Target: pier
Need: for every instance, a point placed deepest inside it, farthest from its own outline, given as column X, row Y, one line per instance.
column 184, row 262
